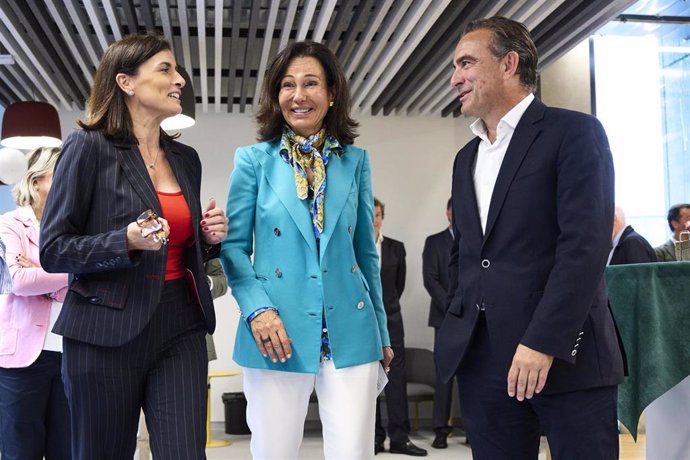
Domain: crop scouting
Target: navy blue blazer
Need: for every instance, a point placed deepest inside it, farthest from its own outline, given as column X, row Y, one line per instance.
column 393, row 272
column 632, row 248
column 538, row 268
column 99, row 187
column 435, row 258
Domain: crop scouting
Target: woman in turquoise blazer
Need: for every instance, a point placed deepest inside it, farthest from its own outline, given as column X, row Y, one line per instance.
column 302, row 263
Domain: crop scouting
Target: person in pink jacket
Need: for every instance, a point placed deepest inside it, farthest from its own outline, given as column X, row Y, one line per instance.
column 34, row 415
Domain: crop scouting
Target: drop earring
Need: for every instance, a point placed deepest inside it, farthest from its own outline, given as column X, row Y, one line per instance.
column 330, row 104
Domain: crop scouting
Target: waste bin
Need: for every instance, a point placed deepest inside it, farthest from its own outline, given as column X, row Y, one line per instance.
column 235, row 413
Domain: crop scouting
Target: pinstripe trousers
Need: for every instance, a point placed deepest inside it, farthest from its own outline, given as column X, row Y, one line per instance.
column 163, row 370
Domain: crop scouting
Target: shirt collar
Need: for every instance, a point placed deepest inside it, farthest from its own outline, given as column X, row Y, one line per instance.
column 510, row 119
column 617, row 238
column 25, row 214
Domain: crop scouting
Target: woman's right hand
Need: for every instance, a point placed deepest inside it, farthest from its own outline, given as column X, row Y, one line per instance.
column 137, row 240
column 271, row 337
column 24, row 262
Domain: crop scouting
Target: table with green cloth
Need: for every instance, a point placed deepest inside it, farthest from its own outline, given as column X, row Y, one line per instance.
column 650, row 303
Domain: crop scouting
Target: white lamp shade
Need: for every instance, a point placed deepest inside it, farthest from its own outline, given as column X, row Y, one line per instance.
column 28, row 125
column 13, row 165
column 31, row 142
column 179, row 121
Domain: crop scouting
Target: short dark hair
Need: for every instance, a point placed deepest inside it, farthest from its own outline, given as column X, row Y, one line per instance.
column 450, row 203
column 509, row 35
column 270, row 118
column 106, row 109
column 674, row 213
column 380, row 204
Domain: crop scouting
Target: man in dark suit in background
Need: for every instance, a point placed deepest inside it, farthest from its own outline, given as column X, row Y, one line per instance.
column 435, row 274
column 393, row 270
column 528, row 332
column 629, row 247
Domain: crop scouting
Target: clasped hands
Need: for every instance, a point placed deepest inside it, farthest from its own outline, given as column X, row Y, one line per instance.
column 150, row 232
column 528, row 372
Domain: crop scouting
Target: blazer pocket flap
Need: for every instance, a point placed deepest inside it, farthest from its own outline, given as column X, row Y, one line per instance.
column 100, row 292
column 456, row 306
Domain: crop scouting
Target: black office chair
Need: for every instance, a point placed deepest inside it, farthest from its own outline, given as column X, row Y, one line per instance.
column 420, row 372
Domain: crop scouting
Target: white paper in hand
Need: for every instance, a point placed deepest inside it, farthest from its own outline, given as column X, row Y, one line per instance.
column 382, row 379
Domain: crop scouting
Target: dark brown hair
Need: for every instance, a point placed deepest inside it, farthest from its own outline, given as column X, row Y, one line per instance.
column 106, row 109
column 380, row 204
column 269, row 117
column 674, row 213
column 509, row 35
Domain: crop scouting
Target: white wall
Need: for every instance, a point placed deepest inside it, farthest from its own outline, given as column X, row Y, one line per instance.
column 565, row 83
column 411, row 157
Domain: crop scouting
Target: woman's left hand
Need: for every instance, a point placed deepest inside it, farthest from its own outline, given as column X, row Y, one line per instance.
column 214, row 224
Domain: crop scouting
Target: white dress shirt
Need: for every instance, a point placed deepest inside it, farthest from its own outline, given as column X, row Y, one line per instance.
column 490, row 156
column 379, row 240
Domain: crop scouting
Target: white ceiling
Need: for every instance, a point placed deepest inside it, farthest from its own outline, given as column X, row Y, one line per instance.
column 397, row 53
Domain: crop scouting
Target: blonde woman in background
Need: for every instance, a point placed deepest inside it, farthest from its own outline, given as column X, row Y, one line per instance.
column 34, row 415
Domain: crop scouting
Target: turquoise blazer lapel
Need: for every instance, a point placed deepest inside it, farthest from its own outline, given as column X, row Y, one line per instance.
column 339, row 178
column 281, row 179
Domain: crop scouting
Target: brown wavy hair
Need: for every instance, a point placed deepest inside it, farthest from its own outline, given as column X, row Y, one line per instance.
column 270, row 118
column 106, row 109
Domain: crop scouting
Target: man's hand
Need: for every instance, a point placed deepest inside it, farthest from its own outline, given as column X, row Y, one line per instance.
column 528, row 372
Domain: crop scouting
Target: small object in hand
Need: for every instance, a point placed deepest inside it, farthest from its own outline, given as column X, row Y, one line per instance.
column 150, row 225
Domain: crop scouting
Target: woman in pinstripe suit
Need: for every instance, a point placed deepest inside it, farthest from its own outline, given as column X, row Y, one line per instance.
column 137, row 309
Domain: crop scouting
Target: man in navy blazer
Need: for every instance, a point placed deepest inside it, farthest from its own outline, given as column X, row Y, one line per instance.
column 629, row 247
column 435, row 257
column 528, row 331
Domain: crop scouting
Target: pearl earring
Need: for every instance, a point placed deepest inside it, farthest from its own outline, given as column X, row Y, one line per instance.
column 130, row 92
column 330, row 104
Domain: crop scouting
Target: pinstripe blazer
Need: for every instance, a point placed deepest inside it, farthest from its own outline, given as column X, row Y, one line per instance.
column 99, row 187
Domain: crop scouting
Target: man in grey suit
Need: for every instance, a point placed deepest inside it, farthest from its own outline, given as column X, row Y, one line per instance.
column 435, row 258
column 678, row 220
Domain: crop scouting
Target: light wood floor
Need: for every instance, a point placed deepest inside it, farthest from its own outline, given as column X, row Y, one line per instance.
column 631, row 450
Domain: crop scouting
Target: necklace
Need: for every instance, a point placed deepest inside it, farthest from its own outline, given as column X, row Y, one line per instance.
column 155, row 159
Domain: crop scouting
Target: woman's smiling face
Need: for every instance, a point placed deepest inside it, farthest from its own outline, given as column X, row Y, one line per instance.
column 304, row 95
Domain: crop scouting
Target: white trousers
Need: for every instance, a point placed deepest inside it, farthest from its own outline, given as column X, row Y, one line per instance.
column 277, row 404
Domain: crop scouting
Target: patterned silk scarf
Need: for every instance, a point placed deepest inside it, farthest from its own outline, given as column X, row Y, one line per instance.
column 311, row 153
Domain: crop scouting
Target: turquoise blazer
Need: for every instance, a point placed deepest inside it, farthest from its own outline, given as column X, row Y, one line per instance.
column 269, row 222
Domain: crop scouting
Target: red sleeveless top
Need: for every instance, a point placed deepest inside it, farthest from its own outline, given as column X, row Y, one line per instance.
column 176, row 212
